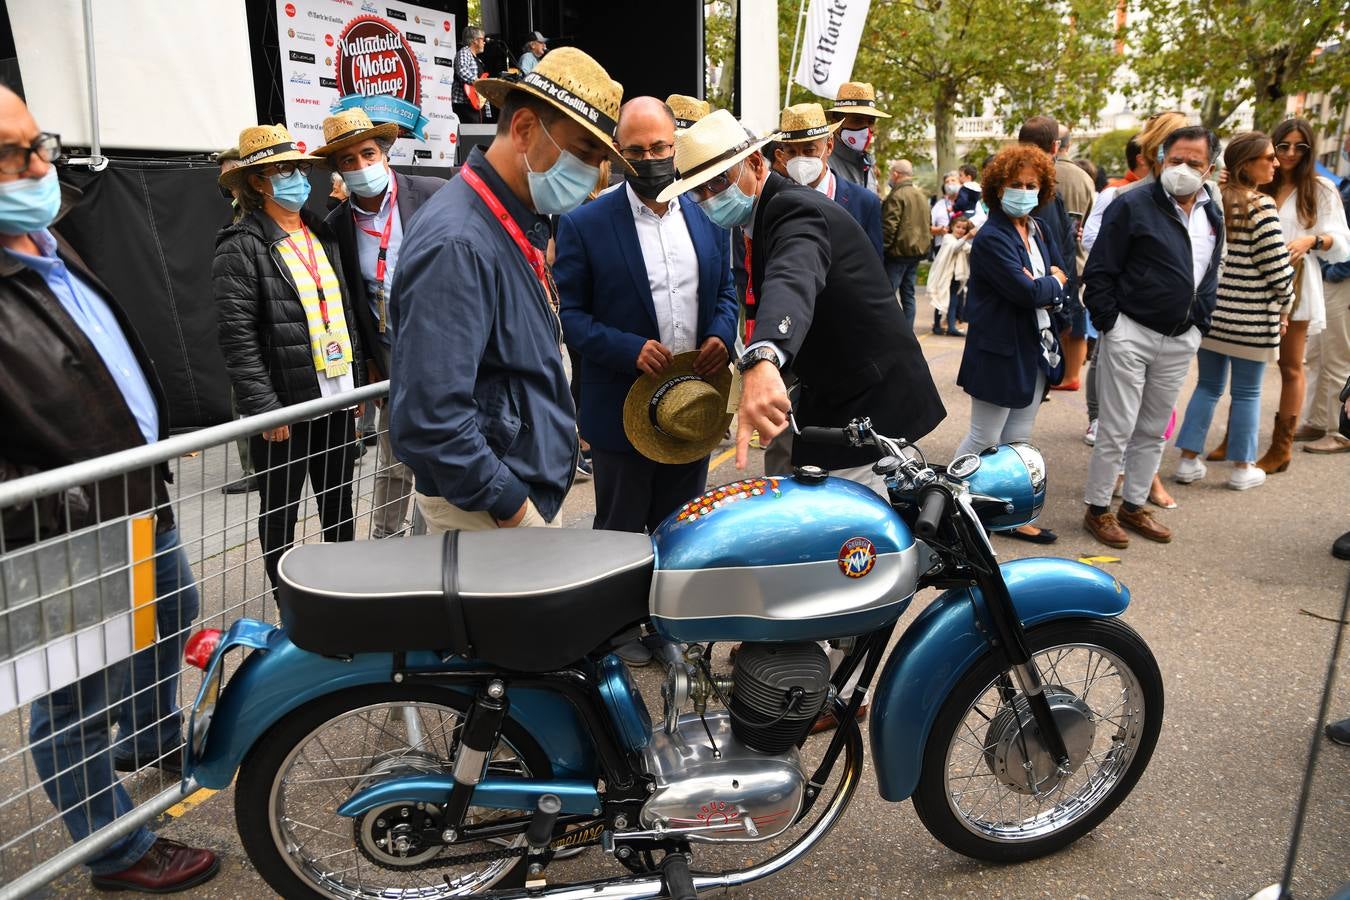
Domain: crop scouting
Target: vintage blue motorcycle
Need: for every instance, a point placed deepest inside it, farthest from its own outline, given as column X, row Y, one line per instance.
column 444, row 716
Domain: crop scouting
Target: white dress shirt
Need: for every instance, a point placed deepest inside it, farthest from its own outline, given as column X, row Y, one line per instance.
column 672, row 272
column 1203, row 235
column 826, row 184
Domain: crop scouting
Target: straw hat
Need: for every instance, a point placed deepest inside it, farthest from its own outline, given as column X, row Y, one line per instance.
column 263, row 145
column 575, row 84
column 688, row 110
column 678, row 417
column 804, row 122
column 708, row 148
column 857, row 97
column 351, row 126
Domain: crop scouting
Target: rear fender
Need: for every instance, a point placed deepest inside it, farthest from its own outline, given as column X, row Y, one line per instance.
column 949, row 637
column 278, row 677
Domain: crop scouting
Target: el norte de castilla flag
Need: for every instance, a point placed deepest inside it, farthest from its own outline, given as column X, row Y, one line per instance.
column 830, row 45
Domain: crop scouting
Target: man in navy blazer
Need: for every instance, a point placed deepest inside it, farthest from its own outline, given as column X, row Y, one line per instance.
column 640, row 282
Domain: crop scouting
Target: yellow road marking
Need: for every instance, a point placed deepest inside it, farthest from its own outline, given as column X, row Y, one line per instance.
column 1093, row 560
column 721, row 458
column 190, row 802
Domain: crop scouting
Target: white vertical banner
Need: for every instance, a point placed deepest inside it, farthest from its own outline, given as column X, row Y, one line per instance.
column 393, row 59
column 830, row 45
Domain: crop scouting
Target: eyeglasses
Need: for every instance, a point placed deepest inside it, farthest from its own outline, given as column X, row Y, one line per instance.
column 284, row 169
column 716, row 185
column 659, row 150
column 1286, row 147
column 14, row 158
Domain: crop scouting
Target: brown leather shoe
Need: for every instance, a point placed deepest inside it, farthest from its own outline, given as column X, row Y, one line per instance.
column 1143, row 524
column 167, row 867
column 826, row 721
column 1106, row 529
column 1306, row 432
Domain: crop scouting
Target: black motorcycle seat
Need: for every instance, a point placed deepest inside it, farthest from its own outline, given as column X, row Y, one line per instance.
column 530, row 599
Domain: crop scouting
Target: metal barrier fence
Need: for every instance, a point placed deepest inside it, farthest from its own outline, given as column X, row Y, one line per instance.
column 97, row 600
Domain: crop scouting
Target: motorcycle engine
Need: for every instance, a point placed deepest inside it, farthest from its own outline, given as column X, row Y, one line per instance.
column 735, row 774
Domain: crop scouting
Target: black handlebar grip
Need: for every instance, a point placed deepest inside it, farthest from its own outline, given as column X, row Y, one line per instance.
column 931, row 510
column 540, row 831
column 814, row 434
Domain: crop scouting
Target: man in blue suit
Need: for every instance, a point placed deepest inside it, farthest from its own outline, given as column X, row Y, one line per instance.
column 640, row 282
column 802, row 151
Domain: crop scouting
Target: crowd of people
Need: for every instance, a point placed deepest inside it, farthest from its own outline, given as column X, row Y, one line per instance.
column 574, row 302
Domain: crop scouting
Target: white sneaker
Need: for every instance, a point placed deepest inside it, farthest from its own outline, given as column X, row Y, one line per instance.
column 1250, row 477
column 1189, row 470
column 1090, row 436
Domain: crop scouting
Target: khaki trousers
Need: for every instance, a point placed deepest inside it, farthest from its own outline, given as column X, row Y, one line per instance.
column 442, row 516
column 1328, row 360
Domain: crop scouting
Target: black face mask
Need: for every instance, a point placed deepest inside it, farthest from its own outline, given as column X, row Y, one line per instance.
column 653, row 176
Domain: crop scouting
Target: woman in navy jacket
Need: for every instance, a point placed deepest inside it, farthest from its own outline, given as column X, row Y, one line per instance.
column 1016, row 284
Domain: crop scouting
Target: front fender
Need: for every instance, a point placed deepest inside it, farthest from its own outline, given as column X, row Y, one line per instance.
column 947, row 639
column 279, row 677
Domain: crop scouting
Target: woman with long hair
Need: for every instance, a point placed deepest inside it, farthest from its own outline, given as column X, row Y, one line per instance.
column 1313, row 221
column 1255, row 294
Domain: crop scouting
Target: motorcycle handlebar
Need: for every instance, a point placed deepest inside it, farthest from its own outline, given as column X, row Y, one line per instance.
column 932, row 508
column 814, row 434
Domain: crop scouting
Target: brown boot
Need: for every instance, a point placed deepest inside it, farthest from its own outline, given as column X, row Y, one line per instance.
column 1306, row 432
column 1106, row 529
column 1281, row 446
column 1141, row 522
column 1219, row 453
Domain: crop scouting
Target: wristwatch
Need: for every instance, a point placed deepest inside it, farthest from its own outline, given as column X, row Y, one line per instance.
column 1317, row 242
column 757, row 355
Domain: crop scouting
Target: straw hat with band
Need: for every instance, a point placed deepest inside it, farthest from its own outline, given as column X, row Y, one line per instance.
column 687, row 110
column 708, row 148
column 574, row 84
column 352, row 126
column 678, row 416
column 803, row 122
column 263, row 145
column 857, row 97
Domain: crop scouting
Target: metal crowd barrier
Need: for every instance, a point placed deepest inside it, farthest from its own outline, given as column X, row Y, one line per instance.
column 90, row 649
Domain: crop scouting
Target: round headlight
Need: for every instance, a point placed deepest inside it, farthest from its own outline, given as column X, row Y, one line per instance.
column 1034, row 462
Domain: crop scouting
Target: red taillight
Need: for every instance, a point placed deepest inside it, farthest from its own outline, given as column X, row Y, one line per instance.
column 200, row 647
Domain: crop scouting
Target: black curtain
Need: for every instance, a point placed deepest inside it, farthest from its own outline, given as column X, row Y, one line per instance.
column 147, row 229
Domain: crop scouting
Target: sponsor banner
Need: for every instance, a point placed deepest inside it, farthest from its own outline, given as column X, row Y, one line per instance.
column 830, row 45
column 395, row 60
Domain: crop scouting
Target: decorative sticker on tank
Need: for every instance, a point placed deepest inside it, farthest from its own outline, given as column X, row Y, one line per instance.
column 719, row 497
column 857, row 557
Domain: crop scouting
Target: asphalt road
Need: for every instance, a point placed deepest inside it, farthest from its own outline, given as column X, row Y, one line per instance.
column 1236, row 610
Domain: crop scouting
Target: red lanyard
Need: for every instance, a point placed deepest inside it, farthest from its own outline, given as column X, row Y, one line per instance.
column 749, row 294
column 388, row 230
column 312, row 267
column 533, row 255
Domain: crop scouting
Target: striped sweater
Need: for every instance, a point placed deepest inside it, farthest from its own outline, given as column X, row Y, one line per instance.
column 1256, row 287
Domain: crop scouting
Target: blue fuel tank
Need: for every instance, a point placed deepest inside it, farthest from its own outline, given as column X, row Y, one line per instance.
column 781, row 558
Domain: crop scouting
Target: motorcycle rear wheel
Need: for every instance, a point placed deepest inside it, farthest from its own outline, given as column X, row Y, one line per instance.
column 985, row 790
column 314, row 758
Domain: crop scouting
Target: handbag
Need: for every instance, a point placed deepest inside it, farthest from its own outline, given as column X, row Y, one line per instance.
column 1345, row 420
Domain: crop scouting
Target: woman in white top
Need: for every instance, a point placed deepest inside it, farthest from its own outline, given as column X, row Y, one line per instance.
column 1313, row 221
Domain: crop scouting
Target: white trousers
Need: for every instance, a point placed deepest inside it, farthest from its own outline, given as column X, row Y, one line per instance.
column 1141, row 372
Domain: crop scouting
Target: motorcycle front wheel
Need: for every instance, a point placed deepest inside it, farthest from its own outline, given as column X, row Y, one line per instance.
column 295, row 777
column 989, row 790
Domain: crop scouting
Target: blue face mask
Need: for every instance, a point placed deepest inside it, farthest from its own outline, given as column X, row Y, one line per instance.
column 729, row 208
column 290, row 191
column 29, row 204
column 368, row 182
column 562, row 188
column 1019, row 202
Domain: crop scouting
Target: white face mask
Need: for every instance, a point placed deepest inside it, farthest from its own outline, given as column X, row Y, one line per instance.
column 805, row 169
column 1181, row 181
column 857, row 138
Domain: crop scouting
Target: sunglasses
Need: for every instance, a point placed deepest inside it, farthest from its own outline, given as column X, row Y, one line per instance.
column 1286, row 147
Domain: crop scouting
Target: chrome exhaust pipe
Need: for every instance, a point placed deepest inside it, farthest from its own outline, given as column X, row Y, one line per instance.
column 649, row 887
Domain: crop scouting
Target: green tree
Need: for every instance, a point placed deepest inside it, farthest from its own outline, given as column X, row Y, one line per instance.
column 1232, row 51
column 1108, row 151
column 719, row 41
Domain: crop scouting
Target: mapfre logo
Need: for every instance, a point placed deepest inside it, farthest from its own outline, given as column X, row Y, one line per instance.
column 297, row 56
column 307, row 101
column 290, row 10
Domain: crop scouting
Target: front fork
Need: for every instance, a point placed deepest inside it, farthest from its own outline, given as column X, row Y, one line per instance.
column 1009, row 635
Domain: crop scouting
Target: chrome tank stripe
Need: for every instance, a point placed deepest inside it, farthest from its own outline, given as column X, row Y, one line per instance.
column 802, row 591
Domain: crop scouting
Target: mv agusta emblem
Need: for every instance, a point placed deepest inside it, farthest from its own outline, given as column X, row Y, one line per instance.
column 857, row 557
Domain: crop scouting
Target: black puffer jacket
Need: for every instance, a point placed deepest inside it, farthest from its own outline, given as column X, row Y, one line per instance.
column 263, row 332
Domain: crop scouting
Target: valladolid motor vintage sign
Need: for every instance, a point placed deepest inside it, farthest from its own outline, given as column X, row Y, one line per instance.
column 377, row 71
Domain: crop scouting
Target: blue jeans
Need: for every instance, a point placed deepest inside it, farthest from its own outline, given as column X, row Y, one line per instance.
column 904, row 273
column 1244, row 414
column 71, row 728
